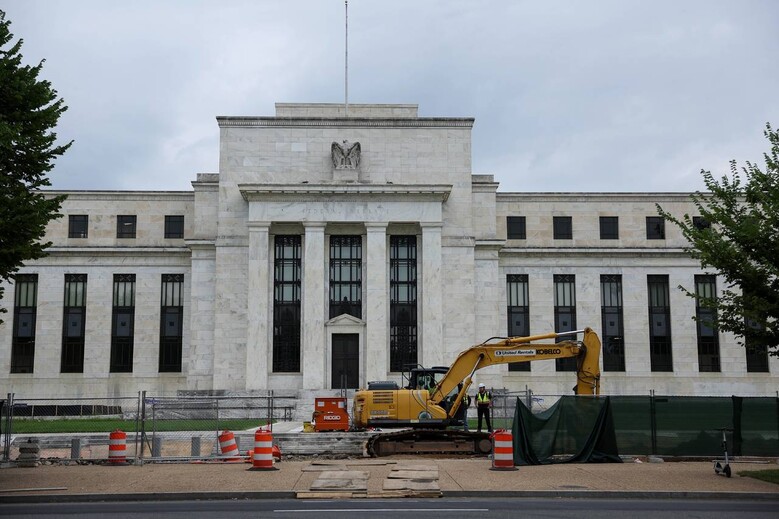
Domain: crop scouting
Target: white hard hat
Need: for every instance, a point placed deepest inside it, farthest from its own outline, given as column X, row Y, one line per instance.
column 482, row 385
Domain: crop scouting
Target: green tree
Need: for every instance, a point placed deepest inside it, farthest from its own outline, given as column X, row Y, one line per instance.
column 29, row 111
column 738, row 237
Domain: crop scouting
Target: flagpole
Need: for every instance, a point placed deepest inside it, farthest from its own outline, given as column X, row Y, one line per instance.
column 346, row 59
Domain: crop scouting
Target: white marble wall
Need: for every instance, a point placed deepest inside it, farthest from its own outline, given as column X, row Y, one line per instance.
column 415, row 177
column 100, row 256
column 634, row 257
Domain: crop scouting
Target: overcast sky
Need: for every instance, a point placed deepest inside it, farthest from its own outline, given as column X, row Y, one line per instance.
column 567, row 95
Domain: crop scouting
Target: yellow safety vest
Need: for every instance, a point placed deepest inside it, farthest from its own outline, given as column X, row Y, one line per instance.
column 483, row 398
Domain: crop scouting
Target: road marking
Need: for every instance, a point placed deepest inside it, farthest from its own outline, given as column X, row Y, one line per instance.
column 364, row 510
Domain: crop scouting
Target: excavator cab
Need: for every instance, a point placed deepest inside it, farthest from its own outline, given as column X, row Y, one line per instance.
column 424, row 378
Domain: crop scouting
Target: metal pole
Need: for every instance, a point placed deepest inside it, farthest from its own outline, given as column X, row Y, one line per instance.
column 652, row 421
column 346, row 58
column 137, row 424
column 8, row 424
column 143, row 424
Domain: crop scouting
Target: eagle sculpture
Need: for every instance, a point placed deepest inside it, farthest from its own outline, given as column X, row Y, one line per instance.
column 345, row 156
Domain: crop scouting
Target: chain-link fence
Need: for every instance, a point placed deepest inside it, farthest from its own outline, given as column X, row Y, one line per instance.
column 190, row 426
column 155, row 427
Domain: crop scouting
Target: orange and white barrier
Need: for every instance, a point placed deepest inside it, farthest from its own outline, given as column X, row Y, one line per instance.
column 502, row 451
column 227, row 447
column 117, row 447
column 262, row 457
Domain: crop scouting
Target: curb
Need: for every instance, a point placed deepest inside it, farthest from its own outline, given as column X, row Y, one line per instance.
column 617, row 494
column 519, row 494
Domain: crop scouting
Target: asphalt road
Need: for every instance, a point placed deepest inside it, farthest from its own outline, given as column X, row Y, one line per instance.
column 392, row 508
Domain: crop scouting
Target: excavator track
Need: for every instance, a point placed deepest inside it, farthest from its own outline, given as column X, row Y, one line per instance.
column 429, row 441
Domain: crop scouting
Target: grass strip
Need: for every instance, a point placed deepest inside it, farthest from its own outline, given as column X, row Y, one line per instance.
column 107, row 425
column 769, row 475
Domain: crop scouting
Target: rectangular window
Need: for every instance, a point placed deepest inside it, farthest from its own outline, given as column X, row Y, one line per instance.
column 78, row 226
column 609, row 227
column 700, row 223
column 25, row 312
column 125, row 226
column 611, row 313
column 755, row 347
column 655, row 228
column 563, row 227
column 174, row 226
column 286, row 304
column 403, row 302
column 756, row 351
column 515, row 228
column 171, row 326
column 565, row 315
column 123, row 324
column 346, row 276
column 660, row 350
column 518, row 312
column 708, row 337
column 73, row 323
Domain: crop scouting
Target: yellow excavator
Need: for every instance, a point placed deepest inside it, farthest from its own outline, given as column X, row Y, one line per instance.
column 428, row 404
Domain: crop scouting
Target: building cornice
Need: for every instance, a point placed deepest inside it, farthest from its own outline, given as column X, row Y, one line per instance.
column 490, row 244
column 596, row 251
column 117, row 251
column 345, row 192
column 341, row 122
column 594, row 197
column 124, row 195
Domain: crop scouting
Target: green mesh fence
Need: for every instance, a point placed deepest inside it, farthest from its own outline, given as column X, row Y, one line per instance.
column 757, row 433
column 573, row 430
column 691, row 426
column 661, row 425
column 633, row 423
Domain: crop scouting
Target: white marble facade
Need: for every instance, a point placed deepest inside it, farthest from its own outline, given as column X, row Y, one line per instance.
column 276, row 176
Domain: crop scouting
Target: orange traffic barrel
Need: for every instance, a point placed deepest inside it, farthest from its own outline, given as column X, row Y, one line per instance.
column 262, row 457
column 117, row 447
column 502, row 451
column 227, row 446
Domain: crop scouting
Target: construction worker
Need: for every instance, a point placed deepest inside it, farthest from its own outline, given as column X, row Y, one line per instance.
column 483, row 404
column 462, row 411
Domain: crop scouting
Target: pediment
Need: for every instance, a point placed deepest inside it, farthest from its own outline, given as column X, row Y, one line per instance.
column 345, row 320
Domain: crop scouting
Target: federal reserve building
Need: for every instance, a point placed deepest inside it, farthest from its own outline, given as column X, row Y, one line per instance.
column 339, row 244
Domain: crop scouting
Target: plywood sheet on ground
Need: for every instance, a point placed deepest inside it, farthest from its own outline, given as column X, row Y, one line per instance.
column 322, row 468
column 417, row 467
column 344, row 474
column 340, row 484
column 407, row 484
column 429, row 475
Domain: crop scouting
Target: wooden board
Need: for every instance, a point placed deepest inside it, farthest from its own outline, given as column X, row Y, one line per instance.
column 344, row 474
column 405, row 484
column 428, row 475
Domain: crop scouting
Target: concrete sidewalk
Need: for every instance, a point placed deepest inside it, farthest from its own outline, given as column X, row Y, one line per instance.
column 456, row 477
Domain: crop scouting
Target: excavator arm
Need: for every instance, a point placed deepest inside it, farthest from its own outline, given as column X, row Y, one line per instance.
column 523, row 349
column 425, row 413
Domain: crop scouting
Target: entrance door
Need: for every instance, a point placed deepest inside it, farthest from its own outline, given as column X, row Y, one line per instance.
column 346, row 361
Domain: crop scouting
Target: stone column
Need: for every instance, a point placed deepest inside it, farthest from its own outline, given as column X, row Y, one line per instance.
column 200, row 356
column 313, row 341
column 375, row 358
column 258, row 313
column 431, row 314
